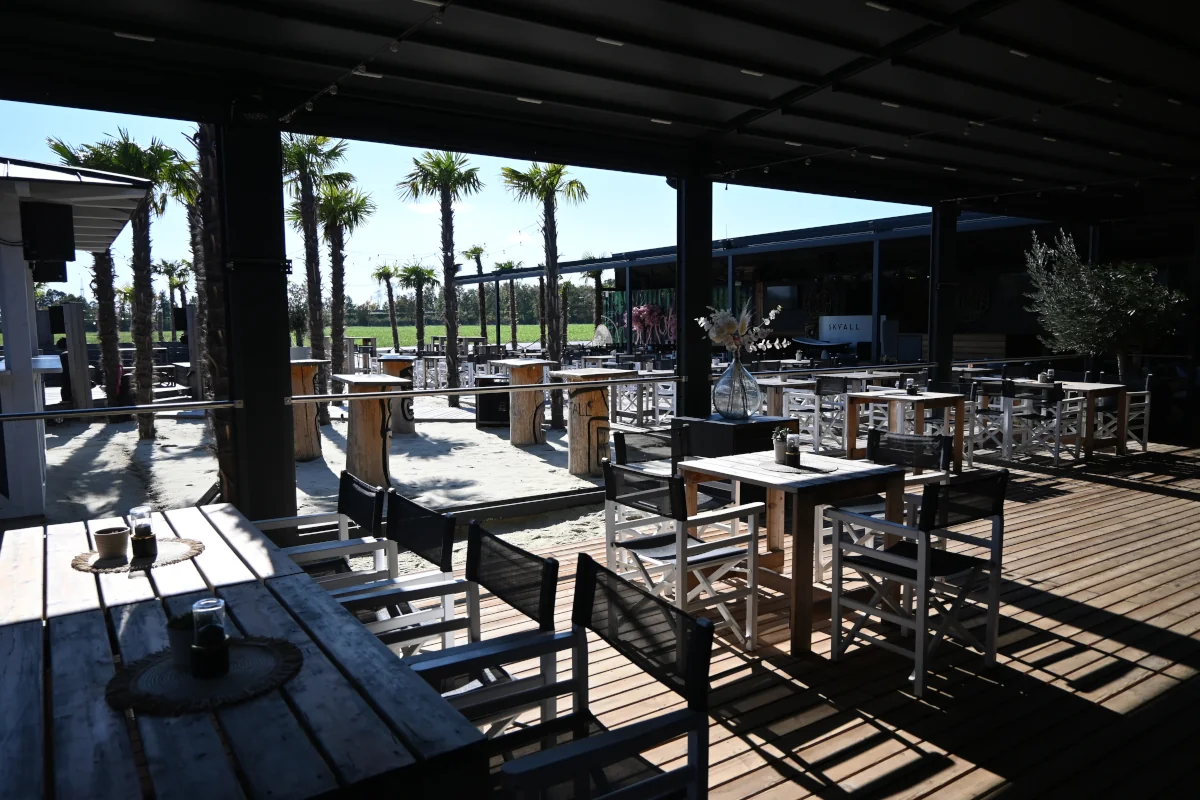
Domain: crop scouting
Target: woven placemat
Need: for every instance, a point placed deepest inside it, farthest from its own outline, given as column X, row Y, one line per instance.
column 771, row 466
column 170, row 551
column 155, row 685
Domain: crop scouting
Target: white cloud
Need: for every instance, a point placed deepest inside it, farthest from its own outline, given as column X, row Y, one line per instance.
column 434, row 207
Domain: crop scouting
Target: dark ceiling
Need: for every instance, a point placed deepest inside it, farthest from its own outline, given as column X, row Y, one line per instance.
column 1050, row 108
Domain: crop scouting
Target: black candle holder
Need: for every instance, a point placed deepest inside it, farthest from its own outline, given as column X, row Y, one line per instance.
column 144, row 546
column 210, row 654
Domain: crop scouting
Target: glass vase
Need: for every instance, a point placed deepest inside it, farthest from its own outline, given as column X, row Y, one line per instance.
column 736, row 394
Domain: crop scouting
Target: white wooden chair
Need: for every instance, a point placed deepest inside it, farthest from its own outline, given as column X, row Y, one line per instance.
column 665, row 560
column 938, row 583
column 1048, row 420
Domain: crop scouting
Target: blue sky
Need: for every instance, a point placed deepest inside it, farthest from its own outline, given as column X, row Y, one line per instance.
column 624, row 211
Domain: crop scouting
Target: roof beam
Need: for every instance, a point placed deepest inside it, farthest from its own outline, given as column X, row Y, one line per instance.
column 1128, row 22
column 923, row 35
column 762, row 17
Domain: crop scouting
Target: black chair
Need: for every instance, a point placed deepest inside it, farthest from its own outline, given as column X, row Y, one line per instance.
column 644, row 447
column 472, row 676
column 406, row 612
column 940, row 581
column 575, row 755
column 326, row 538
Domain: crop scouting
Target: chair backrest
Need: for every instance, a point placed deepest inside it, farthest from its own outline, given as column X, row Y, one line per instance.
column 636, row 447
column 909, row 449
column 964, row 499
column 770, row 366
column 524, row 581
column 829, row 384
column 361, row 502
column 668, row 644
column 419, row 530
column 654, row 494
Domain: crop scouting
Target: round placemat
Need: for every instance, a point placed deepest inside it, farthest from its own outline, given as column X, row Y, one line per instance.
column 155, row 685
column 771, row 466
column 170, row 551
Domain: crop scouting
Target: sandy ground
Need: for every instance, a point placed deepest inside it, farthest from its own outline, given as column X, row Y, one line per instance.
column 98, row 469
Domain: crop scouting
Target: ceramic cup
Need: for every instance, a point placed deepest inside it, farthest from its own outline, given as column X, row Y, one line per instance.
column 112, row 542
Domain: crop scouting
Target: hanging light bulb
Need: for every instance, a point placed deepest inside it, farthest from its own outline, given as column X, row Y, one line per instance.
column 333, row 89
column 394, row 46
column 308, row 105
column 808, row 162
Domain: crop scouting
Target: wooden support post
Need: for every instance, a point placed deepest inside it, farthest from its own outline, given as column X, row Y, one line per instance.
column 404, row 419
column 526, row 410
column 305, row 431
column 77, row 363
column 193, row 342
column 369, row 434
column 587, row 419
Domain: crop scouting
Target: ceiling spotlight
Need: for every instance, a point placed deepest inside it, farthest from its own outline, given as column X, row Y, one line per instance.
column 766, row 170
column 1083, row 188
column 530, row 100
column 660, row 121
column 440, row 16
column 308, row 105
column 1114, row 152
column 967, row 131
column 1117, row 101
column 950, row 169
column 137, row 37
column 394, row 46
column 1018, row 180
column 1049, row 139
column 976, row 123
column 1166, row 163
column 1037, row 115
column 996, row 199
column 794, row 144
column 878, row 158
column 1136, row 184
column 878, row 6
column 613, row 42
column 1103, row 79
column 1039, row 194
column 1019, row 53
column 362, row 72
column 1174, row 102
column 808, row 162
column 333, row 89
column 438, row 3
column 889, row 104
column 854, row 154
column 907, row 141
column 753, row 73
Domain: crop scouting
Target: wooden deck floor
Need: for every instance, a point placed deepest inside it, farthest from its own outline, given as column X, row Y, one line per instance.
column 1094, row 693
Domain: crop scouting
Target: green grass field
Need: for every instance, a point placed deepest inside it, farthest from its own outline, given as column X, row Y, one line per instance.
column 408, row 334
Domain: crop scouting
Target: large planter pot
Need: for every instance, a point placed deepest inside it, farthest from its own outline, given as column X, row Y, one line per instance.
column 736, row 394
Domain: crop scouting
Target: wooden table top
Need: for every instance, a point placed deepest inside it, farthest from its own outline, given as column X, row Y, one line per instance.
column 355, row 713
column 792, row 383
column 395, row 357
column 309, row 362
column 372, row 379
column 752, row 468
column 863, row 375
column 1074, row 386
column 522, row 362
column 588, row 373
column 900, row 394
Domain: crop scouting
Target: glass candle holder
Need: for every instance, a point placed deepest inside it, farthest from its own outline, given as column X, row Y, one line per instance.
column 143, row 544
column 210, row 649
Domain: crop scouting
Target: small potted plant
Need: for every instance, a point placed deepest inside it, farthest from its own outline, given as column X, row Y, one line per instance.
column 779, row 440
column 181, row 633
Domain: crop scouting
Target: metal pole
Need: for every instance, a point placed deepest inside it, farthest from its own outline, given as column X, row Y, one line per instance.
column 499, row 341
column 729, row 283
column 629, row 309
column 84, row 413
column 476, row 390
column 875, row 334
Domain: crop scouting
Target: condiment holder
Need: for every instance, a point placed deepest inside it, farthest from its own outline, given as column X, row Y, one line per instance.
column 143, row 542
column 112, row 543
column 210, row 649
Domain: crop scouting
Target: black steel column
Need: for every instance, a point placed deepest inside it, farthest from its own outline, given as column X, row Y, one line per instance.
column 256, row 303
column 693, row 291
column 499, row 341
column 729, row 283
column 1093, row 244
column 628, row 309
column 876, row 350
column 943, row 283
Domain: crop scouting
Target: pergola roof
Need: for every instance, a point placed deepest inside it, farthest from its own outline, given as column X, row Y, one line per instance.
column 102, row 202
column 1040, row 108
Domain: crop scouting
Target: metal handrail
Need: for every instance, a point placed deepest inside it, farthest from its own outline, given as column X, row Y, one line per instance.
column 192, row 405
column 472, row 390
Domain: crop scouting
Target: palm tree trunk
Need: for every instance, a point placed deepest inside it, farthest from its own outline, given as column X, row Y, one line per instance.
column 171, row 310
column 512, row 312
column 542, row 312
column 566, row 314
column 549, row 228
column 598, row 301
column 482, row 302
column 157, row 318
column 143, row 322
column 392, row 318
column 196, row 237
column 312, row 265
column 450, row 293
column 106, row 323
column 213, row 268
column 337, row 280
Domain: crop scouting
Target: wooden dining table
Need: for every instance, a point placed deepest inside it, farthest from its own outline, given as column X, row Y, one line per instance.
column 839, row 480
column 355, row 720
column 775, row 386
column 896, row 400
column 1091, row 392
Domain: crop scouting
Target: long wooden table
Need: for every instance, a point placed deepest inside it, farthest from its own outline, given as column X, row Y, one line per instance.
column 810, row 490
column 1091, row 392
column 776, row 385
column 354, row 720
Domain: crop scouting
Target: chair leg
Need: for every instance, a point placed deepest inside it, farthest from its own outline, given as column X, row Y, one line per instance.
column 835, row 599
column 993, row 616
column 752, row 585
column 921, row 597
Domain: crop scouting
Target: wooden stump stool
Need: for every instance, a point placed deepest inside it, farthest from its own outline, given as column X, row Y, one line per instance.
column 587, row 419
column 404, row 420
column 305, row 431
column 369, row 434
column 525, row 409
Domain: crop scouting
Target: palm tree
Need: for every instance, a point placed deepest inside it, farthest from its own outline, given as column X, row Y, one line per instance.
column 447, row 177
column 509, row 266
column 418, row 278
column 168, row 172
column 342, row 210
column 545, row 184
column 308, row 166
column 476, row 252
column 107, row 322
column 126, row 300
column 542, row 312
column 385, row 274
column 176, row 273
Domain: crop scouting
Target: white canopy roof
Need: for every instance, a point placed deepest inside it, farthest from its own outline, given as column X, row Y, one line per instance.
column 103, row 201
